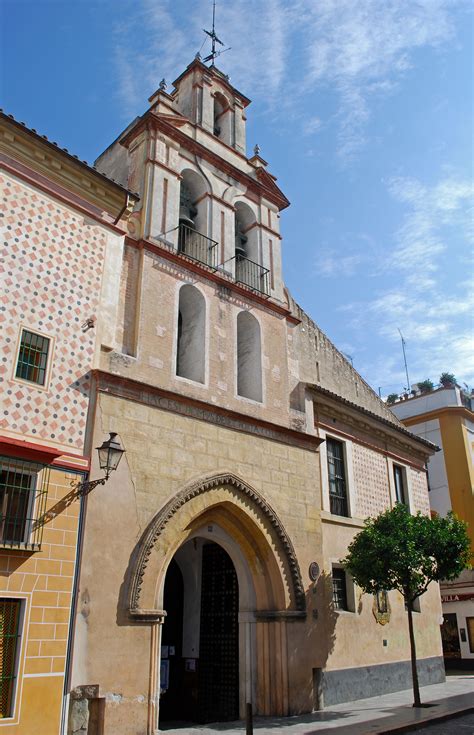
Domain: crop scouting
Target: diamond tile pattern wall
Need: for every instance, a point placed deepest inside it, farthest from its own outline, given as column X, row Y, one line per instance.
column 51, row 284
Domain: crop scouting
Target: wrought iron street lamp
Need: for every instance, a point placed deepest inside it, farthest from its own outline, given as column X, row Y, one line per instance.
column 110, row 453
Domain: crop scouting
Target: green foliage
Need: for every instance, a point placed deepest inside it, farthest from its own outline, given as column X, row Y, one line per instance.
column 447, row 380
column 426, row 386
column 400, row 551
column 392, row 398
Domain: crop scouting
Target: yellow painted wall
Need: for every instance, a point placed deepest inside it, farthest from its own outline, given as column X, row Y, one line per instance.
column 44, row 581
column 459, row 469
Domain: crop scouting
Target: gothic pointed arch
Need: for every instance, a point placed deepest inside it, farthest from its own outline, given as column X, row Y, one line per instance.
column 244, row 512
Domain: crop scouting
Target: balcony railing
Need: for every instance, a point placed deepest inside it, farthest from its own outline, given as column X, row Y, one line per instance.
column 197, row 246
column 252, row 274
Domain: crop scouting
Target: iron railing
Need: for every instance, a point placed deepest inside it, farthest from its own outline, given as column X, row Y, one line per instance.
column 338, row 505
column 339, row 592
column 197, row 246
column 9, row 639
column 23, row 494
column 252, row 274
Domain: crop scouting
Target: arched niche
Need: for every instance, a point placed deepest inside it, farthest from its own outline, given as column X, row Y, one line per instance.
column 249, row 357
column 244, row 516
column 191, row 334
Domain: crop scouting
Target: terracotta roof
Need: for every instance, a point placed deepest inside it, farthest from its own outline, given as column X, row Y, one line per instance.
column 376, row 417
column 65, row 151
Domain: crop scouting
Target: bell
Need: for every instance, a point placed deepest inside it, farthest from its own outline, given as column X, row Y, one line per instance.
column 185, row 219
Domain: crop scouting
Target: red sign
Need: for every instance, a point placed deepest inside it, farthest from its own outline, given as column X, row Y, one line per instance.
column 457, row 598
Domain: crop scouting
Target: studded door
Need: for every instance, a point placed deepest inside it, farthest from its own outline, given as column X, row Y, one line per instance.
column 219, row 638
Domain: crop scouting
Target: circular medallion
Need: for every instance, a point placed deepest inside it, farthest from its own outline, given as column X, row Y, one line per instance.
column 313, row 571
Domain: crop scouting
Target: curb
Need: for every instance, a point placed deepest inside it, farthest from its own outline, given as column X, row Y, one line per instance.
column 425, row 723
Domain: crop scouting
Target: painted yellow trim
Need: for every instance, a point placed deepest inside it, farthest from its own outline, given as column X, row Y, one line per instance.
column 459, row 467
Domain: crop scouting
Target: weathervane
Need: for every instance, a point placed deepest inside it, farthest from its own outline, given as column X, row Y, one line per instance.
column 212, row 35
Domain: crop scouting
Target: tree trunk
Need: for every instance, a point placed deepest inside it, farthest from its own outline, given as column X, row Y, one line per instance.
column 414, row 672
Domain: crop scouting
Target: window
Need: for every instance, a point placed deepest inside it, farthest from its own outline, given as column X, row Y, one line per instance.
column 470, row 633
column 249, row 357
column 339, row 590
column 23, row 491
column 191, row 343
column 32, row 357
column 399, row 481
column 9, row 640
column 337, row 478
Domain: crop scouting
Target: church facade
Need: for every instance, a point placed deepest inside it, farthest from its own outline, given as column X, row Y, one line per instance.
column 210, row 569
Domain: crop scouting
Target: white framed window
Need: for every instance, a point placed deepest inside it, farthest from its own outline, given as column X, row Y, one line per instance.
column 337, row 477
column 33, row 358
column 400, row 486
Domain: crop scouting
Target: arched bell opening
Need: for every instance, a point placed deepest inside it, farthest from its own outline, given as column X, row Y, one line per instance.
column 222, row 118
column 193, row 237
column 247, row 256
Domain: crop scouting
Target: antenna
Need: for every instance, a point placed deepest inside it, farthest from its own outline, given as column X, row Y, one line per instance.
column 212, row 35
column 405, row 359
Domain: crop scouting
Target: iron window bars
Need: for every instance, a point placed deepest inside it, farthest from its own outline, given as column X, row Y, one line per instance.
column 337, row 478
column 339, row 592
column 9, row 639
column 23, row 494
column 32, row 357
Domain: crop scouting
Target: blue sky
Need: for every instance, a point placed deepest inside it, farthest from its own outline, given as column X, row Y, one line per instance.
column 363, row 109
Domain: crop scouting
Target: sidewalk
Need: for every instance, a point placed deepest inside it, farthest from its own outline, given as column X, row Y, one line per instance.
column 391, row 713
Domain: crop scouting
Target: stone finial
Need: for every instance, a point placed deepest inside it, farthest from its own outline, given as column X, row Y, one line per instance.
column 163, row 85
column 198, row 56
column 256, row 149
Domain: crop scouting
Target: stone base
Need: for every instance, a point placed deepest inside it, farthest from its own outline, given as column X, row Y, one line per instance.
column 346, row 685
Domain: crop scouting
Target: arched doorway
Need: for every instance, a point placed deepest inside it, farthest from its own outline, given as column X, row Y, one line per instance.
column 200, row 636
column 230, row 513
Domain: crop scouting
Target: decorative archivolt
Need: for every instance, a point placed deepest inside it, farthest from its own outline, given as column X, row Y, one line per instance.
column 165, row 515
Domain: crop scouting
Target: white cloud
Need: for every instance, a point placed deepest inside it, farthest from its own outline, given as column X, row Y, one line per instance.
column 420, row 238
column 281, row 52
column 437, row 324
column 334, row 265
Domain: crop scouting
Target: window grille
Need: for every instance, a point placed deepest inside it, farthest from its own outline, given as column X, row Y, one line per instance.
column 23, row 493
column 337, row 478
column 399, row 484
column 32, row 357
column 9, row 638
column 339, row 592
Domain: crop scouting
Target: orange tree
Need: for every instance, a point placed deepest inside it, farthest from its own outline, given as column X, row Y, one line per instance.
column 404, row 552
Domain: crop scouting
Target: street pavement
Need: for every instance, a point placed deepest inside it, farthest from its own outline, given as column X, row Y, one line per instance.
column 456, row 726
column 390, row 713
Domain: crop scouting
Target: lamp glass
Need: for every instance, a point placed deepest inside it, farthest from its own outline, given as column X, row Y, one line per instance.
column 110, row 453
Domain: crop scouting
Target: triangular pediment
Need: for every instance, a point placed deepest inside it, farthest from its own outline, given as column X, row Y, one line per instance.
column 176, row 120
column 268, row 182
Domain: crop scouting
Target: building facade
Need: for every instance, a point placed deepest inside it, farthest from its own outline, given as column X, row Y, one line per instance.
column 445, row 416
column 210, row 573
column 59, row 217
